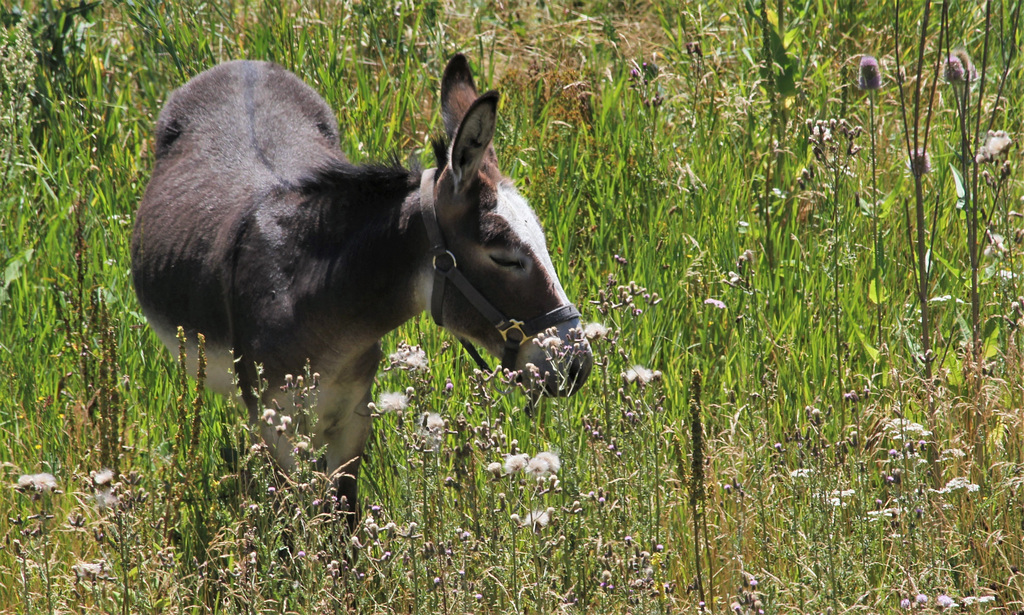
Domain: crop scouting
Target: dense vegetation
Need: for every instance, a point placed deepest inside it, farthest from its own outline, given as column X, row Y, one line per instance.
column 805, row 269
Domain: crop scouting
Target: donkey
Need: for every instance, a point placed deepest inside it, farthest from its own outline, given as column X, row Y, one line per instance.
column 256, row 232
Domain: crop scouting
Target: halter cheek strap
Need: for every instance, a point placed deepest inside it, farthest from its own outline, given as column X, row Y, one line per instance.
column 446, row 269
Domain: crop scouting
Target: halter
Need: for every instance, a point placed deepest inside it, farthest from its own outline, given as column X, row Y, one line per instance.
column 514, row 332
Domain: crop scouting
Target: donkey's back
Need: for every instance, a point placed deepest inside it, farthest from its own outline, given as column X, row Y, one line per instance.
column 233, row 145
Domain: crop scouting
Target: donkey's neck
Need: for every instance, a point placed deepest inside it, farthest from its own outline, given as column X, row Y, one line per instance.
column 383, row 269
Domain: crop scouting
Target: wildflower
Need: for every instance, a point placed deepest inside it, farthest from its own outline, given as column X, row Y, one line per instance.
column 595, row 331
column 996, row 145
column 538, row 519
column 410, row 358
column 543, row 464
column 801, row 473
column 921, row 599
column 919, row 163
column 105, row 499
column 85, row 571
column 43, row 482
column 640, row 374
column 956, row 484
column 945, row 601
column 432, row 429
column 102, row 477
column 870, row 76
column 905, row 603
column 954, row 71
column 494, row 468
column 268, row 416
column 392, row 401
column 715, row 303
column 970, row 73
column 433, row 422
column 515, row 463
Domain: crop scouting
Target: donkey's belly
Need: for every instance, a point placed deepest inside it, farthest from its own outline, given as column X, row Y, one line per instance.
column 219, row 361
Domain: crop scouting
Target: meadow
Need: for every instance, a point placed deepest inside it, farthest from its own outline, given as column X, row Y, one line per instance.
column 795, row 231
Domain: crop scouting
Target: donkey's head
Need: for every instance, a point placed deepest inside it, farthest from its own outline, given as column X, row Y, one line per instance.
column 502, row 289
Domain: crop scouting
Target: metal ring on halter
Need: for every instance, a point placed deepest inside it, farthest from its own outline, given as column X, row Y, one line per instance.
column 449, row 255
column 515, row 325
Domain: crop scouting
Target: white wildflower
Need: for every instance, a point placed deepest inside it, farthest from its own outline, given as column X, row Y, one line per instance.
column 971, row 600
column 538, row 519
column 105, row 499
column 955, row 484
column 43, row 482
column 432, row 429
column 268, row 416
column 996, row 146
column 392, row 401
column 515, row 463
column 640, row 374
column 494, row 468
column 411, row 358
column 890, row 513
column 897, row 428
column 801, row 473
column 103, row 477
column 544, row 464
column 595, row 331
column 86, row 571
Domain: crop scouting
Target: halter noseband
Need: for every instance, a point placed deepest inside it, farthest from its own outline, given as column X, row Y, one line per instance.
column 514, row 332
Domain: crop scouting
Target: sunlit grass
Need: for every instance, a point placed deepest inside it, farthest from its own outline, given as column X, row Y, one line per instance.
column 650, row 142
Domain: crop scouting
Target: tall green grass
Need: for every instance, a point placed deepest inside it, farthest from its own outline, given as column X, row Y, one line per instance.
column 669, row 150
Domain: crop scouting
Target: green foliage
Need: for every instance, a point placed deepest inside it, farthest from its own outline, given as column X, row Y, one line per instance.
column 840, row 470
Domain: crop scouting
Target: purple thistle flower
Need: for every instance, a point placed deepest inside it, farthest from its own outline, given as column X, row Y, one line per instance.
column 919, row 162
column 905, row 603
column 870, row 75
column 954, row 72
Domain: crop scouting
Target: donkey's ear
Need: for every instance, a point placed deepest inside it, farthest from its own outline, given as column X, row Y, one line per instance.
column 457, row 93
column 473, row 138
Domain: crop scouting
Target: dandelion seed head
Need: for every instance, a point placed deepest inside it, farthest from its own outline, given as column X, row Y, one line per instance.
column 515, row 463
column 538, row 519
column 87, row 571
column 105, row 499
column 544, row 464
column 103, row 477
column 44, row 482
column 410, row 358
column 392, row 401
column 997, row 144
column 595, row 331
column 640, row 375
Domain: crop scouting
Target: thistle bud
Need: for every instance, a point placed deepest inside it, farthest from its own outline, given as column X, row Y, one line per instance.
column 870, row 75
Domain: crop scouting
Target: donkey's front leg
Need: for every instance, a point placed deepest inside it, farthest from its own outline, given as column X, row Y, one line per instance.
column 345, row 437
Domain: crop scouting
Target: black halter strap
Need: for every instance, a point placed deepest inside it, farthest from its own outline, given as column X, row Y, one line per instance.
column 514, row 332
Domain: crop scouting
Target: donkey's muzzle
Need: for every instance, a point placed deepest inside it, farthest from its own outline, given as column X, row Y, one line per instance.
column 559, row 360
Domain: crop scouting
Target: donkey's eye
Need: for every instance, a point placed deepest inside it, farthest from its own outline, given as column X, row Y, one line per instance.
column 507, row 262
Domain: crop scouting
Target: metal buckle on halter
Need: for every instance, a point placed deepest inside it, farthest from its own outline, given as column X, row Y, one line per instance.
column 514, row 325
column 454, row 263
